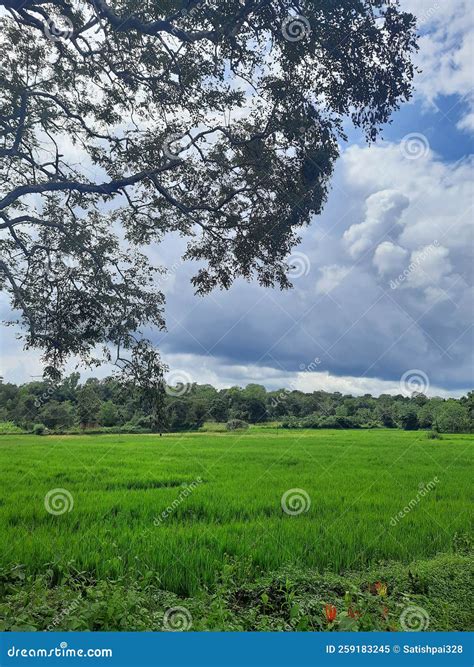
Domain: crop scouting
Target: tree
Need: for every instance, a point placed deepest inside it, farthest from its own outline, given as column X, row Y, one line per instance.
column 54, row 414
column 452, row 417
column 143, row 374
column 408, row 419
column 109, row 415
column 218, row 410
column 88, row 405
column 112, row 116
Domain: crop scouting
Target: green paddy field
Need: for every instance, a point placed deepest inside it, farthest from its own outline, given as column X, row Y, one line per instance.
column 218, row 522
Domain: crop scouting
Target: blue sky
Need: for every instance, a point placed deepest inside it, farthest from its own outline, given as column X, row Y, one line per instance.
column 382, row 279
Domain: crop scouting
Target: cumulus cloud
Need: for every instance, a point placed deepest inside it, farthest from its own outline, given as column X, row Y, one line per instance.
column 430, row 265
column 383, row 213
column 446, row 53
column 390, row 258
column 331, row 277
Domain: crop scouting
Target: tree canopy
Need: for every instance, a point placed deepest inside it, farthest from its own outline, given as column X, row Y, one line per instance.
column 121, row 122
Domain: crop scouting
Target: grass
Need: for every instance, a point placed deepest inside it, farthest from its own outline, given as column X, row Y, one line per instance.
column 176, row 510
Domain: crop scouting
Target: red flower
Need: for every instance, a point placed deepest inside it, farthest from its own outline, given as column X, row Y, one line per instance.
column 330, row 612
column 353, row 613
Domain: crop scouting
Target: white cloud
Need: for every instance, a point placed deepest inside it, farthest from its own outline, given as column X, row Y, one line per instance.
column 331, row 277
column 446, row 52
column 390, row 258
column 383, row 212
column 430, row 265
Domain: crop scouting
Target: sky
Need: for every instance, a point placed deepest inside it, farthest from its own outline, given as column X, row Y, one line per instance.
column 383, row 297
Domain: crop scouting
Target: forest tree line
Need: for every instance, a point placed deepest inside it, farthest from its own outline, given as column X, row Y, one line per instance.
column 107, row 404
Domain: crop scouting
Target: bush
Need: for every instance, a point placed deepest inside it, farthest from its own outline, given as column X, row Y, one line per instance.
column 39, row 429
column 9, row 427
column 290, row 422
column 236, row 424
column 337, row 421
column 434, row 435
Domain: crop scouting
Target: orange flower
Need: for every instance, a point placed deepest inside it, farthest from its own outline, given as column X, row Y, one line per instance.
column 381, row 589
column 330, row 612
column 353, row 613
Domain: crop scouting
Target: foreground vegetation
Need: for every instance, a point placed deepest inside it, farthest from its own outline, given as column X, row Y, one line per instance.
column 424, row 595
column 200, row 520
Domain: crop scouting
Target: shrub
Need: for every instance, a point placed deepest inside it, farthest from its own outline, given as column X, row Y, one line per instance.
column 311, row 421
column 9, row 427
column 434, row 435
column 236, row 424
column 39, row 429
column 338, row 421
column 290, row 422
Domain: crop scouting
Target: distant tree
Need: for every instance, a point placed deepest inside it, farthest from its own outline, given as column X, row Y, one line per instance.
column 218, row 410
column 143, row 373
column 55, row 414
column 452, row 417
column 198, row 411
column 178, row 415
column 408, row 419
column 109, row 415
column 88, row 405
column 468, row 403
